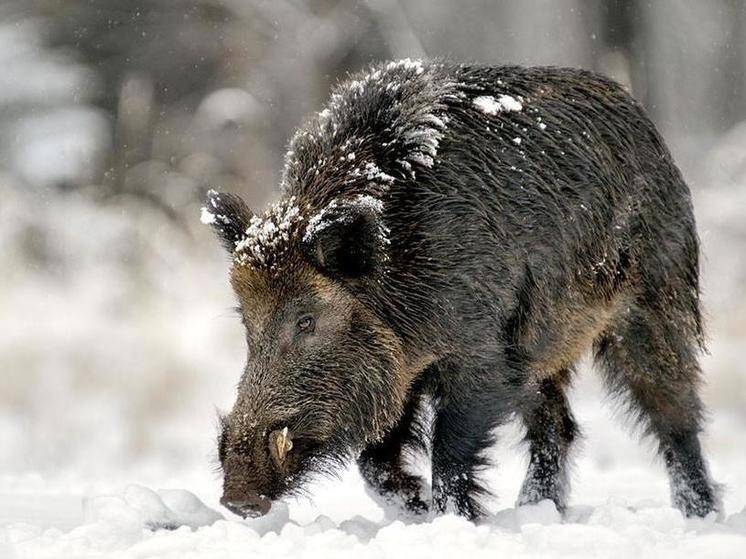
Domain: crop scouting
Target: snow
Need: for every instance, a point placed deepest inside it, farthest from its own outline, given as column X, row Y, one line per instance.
column 619, row 508
column 206, row 216
column 132, row 525
column 423, row 139
column 504, row 103
column 419, row 127
column 422, row 159
column 318, row 222
column 154, row 510
column 268, row 234
column 367, row 201
column 406, row 64
column 373, row 173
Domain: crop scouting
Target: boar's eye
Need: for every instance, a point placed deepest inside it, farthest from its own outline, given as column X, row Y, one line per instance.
column 306, row 324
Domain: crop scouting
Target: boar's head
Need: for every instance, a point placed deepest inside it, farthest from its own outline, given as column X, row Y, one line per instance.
column 324, row 373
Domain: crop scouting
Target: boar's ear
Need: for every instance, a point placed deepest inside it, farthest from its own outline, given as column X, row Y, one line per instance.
column 228, row 215
column 347, row 239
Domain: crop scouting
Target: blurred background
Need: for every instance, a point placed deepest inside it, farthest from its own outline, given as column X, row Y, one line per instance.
column 117, row 339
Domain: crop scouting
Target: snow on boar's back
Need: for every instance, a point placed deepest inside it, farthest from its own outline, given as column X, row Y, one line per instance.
column 455, row 237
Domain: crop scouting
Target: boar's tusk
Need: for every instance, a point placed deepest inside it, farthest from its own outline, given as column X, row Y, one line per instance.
column 284, row 444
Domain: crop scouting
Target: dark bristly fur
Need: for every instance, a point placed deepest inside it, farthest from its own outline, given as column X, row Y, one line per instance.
column 460, row 235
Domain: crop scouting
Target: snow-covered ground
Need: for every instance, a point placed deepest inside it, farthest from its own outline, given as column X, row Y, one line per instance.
column 117, row 343
column 620, row 509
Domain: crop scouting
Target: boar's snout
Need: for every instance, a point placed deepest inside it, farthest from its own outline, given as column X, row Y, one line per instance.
column 258, row 467
column 248, row 505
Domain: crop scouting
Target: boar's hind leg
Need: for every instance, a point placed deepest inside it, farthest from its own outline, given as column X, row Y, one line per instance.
column 382, row 466
column 650, row 357
column 550, row 432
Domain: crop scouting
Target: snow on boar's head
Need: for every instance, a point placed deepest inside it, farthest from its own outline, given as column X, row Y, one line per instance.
column 324, row 373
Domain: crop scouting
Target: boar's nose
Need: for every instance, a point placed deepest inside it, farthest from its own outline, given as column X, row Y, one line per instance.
column 249, row 505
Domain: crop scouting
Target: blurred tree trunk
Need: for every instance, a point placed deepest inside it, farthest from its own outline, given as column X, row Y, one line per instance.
column 620, row 42
column 733, row 93
column 686, row 41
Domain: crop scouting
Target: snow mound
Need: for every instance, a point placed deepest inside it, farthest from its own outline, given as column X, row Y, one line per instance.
column 543, row 513
column 175, row 523
column 139, row 507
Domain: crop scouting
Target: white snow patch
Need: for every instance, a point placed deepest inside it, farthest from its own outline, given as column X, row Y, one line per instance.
column 206, row 216
column 266, row 235
column 368, row 201
column 422, row 159
column 319, row 221
column 425, row 138
column 406, row 64
column 373, row 173
column 504, row 103
column 212, row 196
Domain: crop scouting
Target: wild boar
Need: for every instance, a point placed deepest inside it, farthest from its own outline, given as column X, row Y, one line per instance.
column 454, row 237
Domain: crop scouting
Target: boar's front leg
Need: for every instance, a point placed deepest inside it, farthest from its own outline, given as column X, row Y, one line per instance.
column 382, row 467
column 470, row 402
